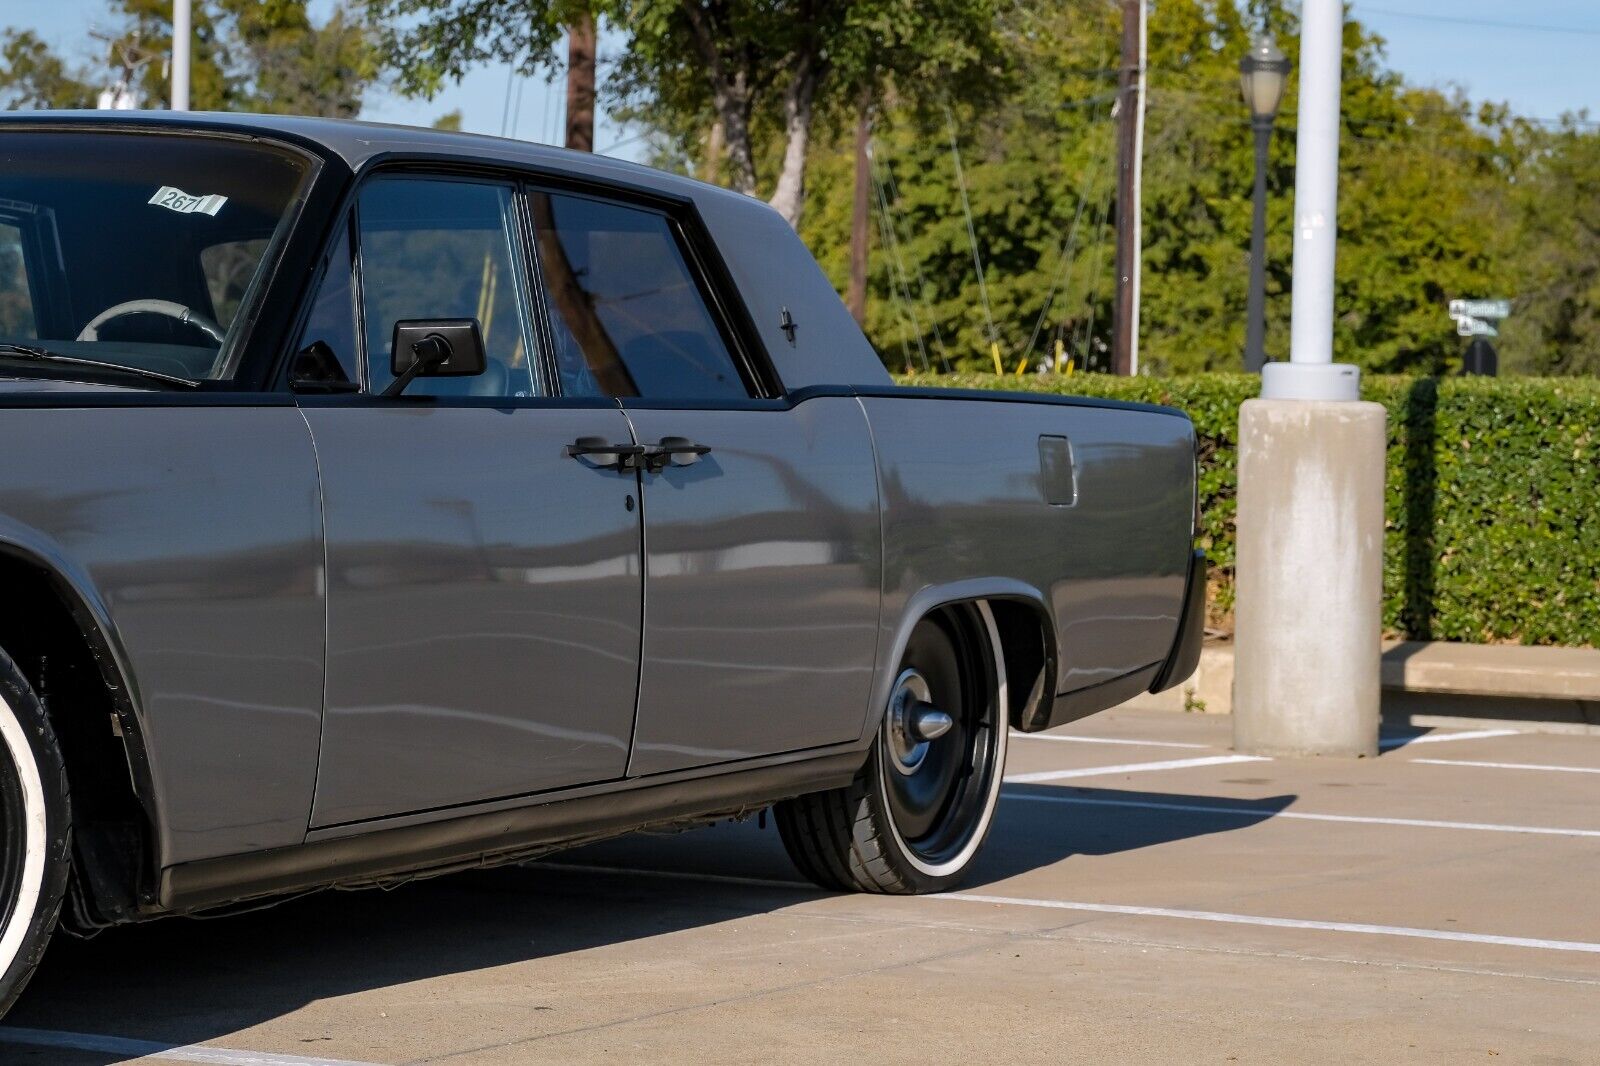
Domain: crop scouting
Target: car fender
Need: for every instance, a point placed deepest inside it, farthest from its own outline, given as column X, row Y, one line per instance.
column 73, row 583
column 896, row 632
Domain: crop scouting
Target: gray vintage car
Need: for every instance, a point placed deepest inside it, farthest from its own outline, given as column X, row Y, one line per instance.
column 381, row 502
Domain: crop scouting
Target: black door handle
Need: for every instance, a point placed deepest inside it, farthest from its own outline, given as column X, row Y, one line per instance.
column 605, row 453
column 678, row 451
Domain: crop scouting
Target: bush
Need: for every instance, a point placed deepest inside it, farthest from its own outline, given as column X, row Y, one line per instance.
column 1493, row 487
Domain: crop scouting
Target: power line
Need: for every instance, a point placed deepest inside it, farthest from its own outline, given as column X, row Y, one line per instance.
column 892, row 189
column 1494, row 24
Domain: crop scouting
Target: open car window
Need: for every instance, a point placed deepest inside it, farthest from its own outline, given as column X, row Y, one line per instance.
column 139, row 250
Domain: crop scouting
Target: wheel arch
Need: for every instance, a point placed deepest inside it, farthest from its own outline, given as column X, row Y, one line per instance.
column 57, row 628
column 1026, row 634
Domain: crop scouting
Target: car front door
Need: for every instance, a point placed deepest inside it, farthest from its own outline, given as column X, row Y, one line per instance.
column 484, row 588
column 762, row 550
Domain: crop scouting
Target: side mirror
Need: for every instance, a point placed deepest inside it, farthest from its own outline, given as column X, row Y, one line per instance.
column 434, row 348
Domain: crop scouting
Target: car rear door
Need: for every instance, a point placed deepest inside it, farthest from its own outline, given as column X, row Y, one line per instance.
column 761, row 514
column 484, row 587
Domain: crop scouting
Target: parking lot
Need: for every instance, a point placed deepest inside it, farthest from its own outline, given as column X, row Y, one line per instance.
column 1145, row 896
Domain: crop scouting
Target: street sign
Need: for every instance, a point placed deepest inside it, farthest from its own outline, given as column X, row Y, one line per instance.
column 1466, row 326
column 1480, row 309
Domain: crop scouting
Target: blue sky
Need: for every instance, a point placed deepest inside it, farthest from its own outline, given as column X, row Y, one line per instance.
column 1538, row 55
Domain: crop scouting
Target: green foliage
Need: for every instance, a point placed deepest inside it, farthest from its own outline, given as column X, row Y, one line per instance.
column 430, row 42
column 1492, row 484
column 1437, row 201
column 1555, row 224
column 247, row 56
column 33, row 77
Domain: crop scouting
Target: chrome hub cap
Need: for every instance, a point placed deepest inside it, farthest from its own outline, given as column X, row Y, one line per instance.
column 909, row 707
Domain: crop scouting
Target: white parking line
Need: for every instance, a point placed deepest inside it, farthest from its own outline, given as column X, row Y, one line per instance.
column 1511, row 766
column 1437, row 738
column 1015, row 735
column 1278, row 923
column 1130, row 768
column 154, row 1051
column 1257, row 812
column 1131, row 911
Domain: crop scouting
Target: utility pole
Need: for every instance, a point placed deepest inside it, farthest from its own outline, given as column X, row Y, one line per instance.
column 182, row 33
column 860, row 214
column 1130, row 149
column 580, row 84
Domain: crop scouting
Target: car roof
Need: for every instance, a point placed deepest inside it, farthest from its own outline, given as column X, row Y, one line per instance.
column 777, row 278
column 357, row 143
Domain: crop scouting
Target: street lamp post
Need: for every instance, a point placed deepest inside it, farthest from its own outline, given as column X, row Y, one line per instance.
column 1263, row 73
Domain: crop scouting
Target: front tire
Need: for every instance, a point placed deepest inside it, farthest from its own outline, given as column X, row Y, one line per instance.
column 916, row 816
column 36, row 823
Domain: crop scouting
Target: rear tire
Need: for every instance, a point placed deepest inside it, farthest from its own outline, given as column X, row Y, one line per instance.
column 36, row 823
column 916, row 816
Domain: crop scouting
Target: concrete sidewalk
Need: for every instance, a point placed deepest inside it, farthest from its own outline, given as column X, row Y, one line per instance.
column 1146, row 896
column 1433, row 683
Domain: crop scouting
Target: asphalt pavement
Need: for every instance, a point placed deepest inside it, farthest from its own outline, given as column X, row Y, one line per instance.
column 1146, row 896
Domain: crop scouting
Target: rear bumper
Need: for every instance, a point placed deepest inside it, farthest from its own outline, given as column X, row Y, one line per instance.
column 1184, row 658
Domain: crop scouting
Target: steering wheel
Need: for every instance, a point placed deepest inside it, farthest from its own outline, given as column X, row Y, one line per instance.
column 91, row 331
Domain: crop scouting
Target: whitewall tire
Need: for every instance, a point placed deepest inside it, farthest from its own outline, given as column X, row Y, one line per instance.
column 36, row 823
column 917, row 814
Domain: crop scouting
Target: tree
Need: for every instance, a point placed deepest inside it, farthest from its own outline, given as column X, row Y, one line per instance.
column 247, row 56
column 1420, row 174
column 435, row 41
column 749, row 67
column 764, row 72
column 32, row 77
column 1554, row 249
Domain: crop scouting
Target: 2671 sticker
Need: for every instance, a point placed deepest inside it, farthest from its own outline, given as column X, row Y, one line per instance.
column 174, row 199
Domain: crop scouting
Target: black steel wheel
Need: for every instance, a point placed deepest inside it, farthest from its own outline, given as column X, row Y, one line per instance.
column 36, row 821
column 919, row 811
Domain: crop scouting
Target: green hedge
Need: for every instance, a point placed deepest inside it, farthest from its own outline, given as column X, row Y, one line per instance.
column 1493, row 510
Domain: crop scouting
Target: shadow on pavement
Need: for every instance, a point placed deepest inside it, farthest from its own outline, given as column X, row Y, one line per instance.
column 182, row 981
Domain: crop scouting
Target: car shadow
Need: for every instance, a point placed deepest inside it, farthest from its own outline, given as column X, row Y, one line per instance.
column 184, row 981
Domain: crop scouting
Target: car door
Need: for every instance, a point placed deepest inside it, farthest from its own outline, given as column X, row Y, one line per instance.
column 761, row 529
column 484, row 588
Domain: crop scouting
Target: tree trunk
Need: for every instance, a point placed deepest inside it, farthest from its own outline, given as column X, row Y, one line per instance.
column 730, row 97
column 790, row 195
column 580, row 84
column 860, row 216
column 716, row 145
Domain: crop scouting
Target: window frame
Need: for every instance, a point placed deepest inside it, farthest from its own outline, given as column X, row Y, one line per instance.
column 754, row 372
column 521, row 259
column 711, row 276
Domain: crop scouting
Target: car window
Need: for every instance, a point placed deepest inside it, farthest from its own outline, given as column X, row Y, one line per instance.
column 626, row 316
column 229, row 268
column 16, row 302
column 445, row 248
column 328, row 350
column 139, row 250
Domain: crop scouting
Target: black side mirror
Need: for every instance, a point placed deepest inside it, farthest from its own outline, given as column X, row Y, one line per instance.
column 434, row 348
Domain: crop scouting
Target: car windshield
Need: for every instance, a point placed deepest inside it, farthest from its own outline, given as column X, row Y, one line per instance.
column 138, row 250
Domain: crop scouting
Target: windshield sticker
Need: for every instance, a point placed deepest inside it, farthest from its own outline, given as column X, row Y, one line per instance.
column 178, row 200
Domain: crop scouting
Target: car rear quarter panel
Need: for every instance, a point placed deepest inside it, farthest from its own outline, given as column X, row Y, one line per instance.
column 964, row 501
column 194, row 532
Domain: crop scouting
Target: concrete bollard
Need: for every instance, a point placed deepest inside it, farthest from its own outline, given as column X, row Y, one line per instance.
column 1309, row 577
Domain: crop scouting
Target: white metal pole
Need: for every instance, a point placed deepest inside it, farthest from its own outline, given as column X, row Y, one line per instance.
column 182, row 33
column 1310, row 372
column 1138, row 189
